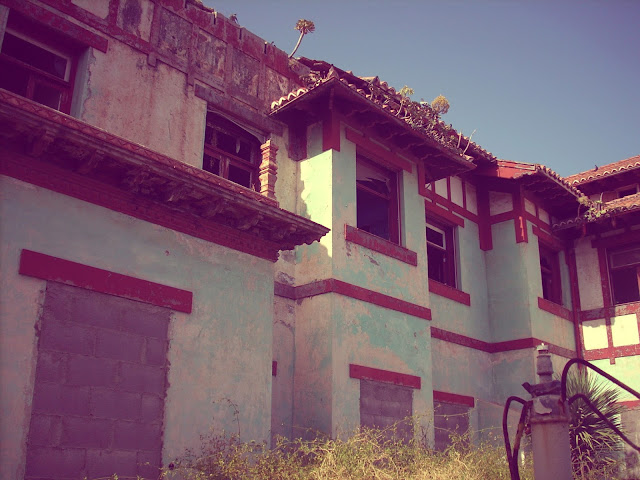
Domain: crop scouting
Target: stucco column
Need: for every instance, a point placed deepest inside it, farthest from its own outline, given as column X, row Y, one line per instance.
column 268, row 169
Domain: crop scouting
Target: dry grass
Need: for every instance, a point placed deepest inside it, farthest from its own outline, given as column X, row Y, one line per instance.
column 367, row 454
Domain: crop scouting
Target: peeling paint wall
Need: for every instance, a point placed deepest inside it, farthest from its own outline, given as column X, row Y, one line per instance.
column 213, row 361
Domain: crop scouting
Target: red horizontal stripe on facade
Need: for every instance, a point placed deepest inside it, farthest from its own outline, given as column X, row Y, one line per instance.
column 380, row 245
column 458, row 339
column 377, row 150
column 333, row 285
column 442, row 213
column 506, row 346
column 554, row 308
column 612, row 352
column 367, row 373
column 547, row 239
column 449, row 292
column 439, row 396
column 46, row 267
column 614, row 311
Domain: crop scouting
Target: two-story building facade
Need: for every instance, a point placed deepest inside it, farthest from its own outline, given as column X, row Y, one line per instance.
column 195, row 225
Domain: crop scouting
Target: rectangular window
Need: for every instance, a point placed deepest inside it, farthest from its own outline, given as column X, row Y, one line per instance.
column 231, row 152
column 624, row 271
column 550, row 273
column 37, row 64
column 441, row 255
column 377, row 200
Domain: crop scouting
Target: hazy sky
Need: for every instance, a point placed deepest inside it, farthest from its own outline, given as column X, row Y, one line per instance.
column 551, row 82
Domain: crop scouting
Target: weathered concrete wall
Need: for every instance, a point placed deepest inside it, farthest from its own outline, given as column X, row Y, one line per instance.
column 473, row 320
column 284, row 354
column 313, row 383
column 377, row 337
column 212, row 359
column 588, row 275
column 173, row 119
column 508, row 285
column 451, row 360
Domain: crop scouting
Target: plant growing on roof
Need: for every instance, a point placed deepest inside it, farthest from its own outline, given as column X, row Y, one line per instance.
column 303, row 26
column 440, row 104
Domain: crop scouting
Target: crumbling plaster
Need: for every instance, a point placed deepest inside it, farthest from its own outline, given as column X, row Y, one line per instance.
column 211, row 359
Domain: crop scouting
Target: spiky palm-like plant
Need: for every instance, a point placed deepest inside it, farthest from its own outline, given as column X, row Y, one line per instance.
column 304, row 27
column 595, row 447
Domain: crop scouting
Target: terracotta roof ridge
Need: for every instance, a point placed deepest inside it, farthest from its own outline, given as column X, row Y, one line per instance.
column 605, row 170
column 416, row 115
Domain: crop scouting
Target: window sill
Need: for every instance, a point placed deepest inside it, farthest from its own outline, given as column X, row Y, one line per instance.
column 449, row 292
column 554, row 308
column 380, row 245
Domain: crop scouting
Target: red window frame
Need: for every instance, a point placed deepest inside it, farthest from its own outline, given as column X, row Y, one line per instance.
column 45, row 39
column 624, row 274
column 239, row 166
column 377, row 201
column 550, row 274
column 441, row 255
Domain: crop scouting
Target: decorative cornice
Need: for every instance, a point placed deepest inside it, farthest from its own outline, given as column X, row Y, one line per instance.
column 74, row 158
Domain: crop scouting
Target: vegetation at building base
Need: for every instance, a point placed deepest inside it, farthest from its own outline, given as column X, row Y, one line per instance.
column 368, row 454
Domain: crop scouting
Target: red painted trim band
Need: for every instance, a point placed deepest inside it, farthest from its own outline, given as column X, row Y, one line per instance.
column 440, row 212
column 449, row 206
column 612, row 352
column 377, row 150
column 554, row 308
column 380, row 245
column 449, row 292
column 330, row 132
column 447, row 397
column 630, row 404
column 86, row 189
column 46, row 267
column 58, row 23
column 333, row 285
column 548, row 240
column 484, row 224
column 459, row 339
column 377, row 375
column 613, row 311
column 506, row 346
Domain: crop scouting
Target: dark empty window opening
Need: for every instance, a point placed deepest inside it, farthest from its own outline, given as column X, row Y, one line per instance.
column 231, row 152
column 377, row 200
column 624, row 271
column 38, row 64
column 441, row 254
column 550, row 273
column 628, row 190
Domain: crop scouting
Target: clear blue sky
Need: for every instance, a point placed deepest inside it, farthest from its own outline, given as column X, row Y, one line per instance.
column 551, row 82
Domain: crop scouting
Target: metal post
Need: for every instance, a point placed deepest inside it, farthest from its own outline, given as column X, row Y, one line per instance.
column 549, row 420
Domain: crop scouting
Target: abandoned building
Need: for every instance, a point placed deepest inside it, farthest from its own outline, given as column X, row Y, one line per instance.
column 193, row 225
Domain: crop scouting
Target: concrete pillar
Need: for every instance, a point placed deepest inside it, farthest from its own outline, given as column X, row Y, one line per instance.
column 549, row 420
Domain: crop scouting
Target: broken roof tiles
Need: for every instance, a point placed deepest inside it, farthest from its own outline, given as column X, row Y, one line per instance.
column 420, row 117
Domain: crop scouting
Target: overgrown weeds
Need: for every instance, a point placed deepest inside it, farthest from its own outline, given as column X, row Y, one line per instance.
column 367, row 454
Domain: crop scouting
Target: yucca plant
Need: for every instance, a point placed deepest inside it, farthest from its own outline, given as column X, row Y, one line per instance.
column 595, row 446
